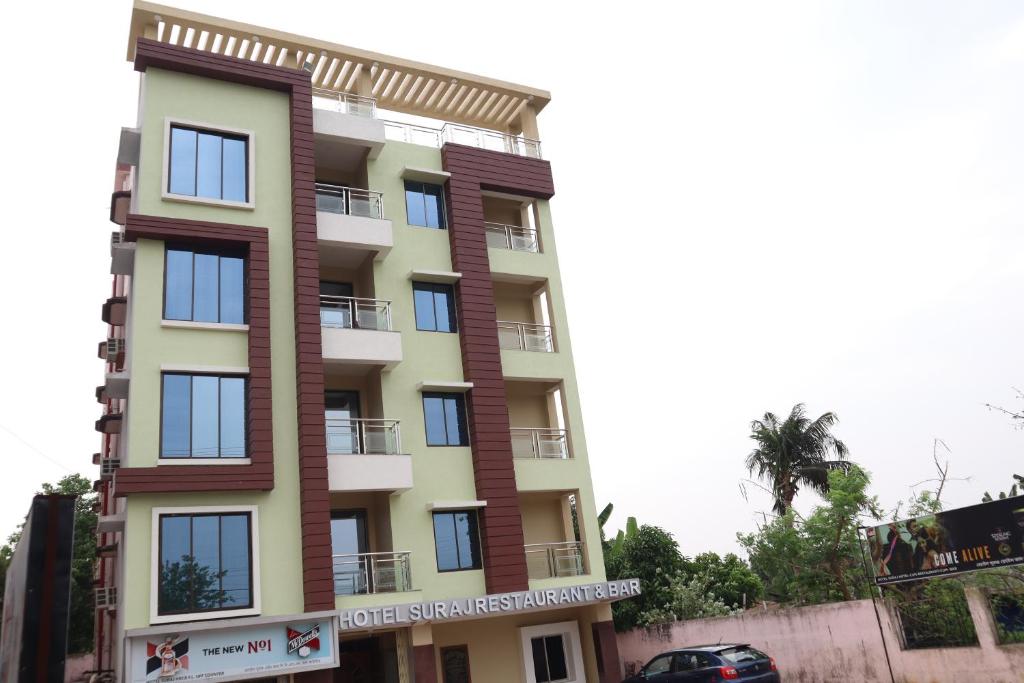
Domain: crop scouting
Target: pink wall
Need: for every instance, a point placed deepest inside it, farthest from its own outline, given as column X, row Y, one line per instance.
column 76, row 666
column 839, row 642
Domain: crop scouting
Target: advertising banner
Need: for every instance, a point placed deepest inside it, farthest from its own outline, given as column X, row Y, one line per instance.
column 982, row 536
column 268, row 649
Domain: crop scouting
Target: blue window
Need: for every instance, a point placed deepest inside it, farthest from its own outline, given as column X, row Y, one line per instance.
column 203, row 416
column 424, row 205
column 445, row 418
column 204, row 286
column 435, row 307
column 208, row 164
column 205, row 563
column 457, row 540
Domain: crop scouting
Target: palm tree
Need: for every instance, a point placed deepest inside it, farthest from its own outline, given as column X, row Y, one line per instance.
column 795, row 452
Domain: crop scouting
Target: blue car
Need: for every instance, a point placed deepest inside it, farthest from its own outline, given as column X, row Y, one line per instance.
column 709, row 664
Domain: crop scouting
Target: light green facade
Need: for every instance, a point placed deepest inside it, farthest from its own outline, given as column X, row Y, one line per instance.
column 266, row 114
column 440, row 474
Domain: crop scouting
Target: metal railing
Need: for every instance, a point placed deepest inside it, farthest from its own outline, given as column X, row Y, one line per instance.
column 931, row 622
column 549, row 560
column 514, row 237
column 355, row 313
column 540, row 443
column 350, row 201
column 491, row 139
column 354, row 436
column 345, row 103
column 371, row 573
column 517, row 336
column 462, row 135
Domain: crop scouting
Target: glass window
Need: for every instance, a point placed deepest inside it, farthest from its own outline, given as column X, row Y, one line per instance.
column 659, row 665
column 445, row 418
column 424, row 205
column 456, row 540
column 738, row 655
column 205, row 563
column 208, row 164
column 435, row 307
column 549, row 661
column 455, row 664
column 203, row 416
column 204, row 286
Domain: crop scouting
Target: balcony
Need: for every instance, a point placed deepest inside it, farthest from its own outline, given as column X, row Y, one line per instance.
column 357, row 331
column 366, row 455
column 511, row 237
column 554, row 560
column 350, row 225
column 345, row 129
column 462, row 135
column 516, row 336
column 370, row 573
column 540, row 443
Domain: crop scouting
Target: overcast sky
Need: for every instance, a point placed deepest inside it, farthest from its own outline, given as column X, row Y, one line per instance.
column 758, row 204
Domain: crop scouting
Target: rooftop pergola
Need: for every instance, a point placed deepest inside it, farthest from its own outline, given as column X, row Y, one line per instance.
column 396, row 84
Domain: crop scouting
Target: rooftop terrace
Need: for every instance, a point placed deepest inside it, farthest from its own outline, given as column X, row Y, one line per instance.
column 396, row 84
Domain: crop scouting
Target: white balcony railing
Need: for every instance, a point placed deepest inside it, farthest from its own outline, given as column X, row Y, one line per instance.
column 514, row 336
column 549, row 560
column 371, row 573
column 351, row 312
column 350, row 201
column 352, row 436
column 540, row 443
column 462, row 135
column 345, row 103
column 514, row 237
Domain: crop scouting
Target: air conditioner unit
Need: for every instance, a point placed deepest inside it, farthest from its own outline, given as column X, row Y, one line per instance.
column 106, row 598
column 114, row 347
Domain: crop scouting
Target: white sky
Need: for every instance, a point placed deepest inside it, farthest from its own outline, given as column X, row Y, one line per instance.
column 758, row 204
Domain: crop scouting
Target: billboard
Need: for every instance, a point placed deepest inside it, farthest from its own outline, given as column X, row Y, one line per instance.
column 967, row 539
column 37, row 594
column 267, row 648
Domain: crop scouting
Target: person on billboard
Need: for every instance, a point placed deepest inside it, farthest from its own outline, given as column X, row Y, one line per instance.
column 899, row 557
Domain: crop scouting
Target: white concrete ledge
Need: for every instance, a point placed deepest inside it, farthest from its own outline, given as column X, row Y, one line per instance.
column 425, row 175
column 193, row 325
column 455, row 504
column 440, row 385
column 443, row 276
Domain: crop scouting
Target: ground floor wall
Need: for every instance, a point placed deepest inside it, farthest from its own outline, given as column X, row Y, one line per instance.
column 840, row 642
column 496, row 650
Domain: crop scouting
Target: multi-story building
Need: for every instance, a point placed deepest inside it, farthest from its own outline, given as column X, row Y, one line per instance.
column 342, row 436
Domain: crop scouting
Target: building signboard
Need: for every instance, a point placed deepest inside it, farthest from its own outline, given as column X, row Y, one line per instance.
column 488, row 605
column 984, row 536
column 253, row 650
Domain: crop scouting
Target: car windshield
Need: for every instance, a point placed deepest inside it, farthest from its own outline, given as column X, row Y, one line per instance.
column 739, row 655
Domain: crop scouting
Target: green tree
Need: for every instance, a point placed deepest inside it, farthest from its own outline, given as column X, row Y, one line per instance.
column 795, row 452
column 818, row 559
column 652, row 555
column 1015, row 489
column 729, row 577
column 689, row 597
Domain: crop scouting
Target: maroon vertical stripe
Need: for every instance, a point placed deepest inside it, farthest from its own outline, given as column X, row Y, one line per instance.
column 472, row 170
column 312, row 450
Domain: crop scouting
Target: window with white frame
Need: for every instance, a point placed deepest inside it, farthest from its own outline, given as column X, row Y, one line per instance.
column 205, row 563
column 209, row 164
column 552, row 653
